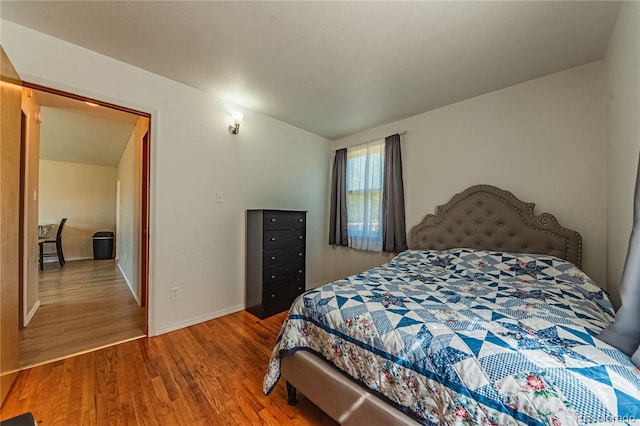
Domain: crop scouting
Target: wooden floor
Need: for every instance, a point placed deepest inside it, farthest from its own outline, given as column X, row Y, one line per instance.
column 84, row 305
column 207, row 374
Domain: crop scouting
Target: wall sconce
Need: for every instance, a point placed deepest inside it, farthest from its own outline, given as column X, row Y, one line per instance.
column 237, row 118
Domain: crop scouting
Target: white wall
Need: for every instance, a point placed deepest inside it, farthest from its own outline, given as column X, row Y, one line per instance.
column 196, row 243
column 543, row 140
column 128, row 232
column 622, row 63
column 83, row 193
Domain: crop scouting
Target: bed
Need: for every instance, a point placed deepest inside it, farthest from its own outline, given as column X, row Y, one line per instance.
column 486, row 319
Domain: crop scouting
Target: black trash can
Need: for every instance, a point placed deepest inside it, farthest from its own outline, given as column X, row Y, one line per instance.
column 103, row 245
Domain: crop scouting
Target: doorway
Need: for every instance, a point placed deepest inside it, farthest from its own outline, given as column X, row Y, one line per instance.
column 84, row 147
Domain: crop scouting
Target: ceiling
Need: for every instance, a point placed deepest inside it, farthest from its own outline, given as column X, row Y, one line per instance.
column 75, row 132
column 334, row 68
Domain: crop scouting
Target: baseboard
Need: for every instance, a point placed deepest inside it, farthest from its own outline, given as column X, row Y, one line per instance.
column 198, row 320
column 135, row 296
column 54, row 259
column 214, row 315
column 31, row 313
column 77, row 258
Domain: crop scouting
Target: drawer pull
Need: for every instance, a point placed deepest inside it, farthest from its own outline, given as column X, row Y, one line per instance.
column 273, row 220
column 301, row 220
column 299, row 271
column 299, row 287
column 273, row 258
column 300, row 254
column 273, row 238
column 299, row 237
column 273, row 296
column 273, row 277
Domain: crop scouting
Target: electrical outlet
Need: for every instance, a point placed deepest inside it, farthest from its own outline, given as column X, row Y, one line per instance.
column 175, row 293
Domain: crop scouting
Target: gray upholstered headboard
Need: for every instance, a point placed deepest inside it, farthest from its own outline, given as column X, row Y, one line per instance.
column 489, row 218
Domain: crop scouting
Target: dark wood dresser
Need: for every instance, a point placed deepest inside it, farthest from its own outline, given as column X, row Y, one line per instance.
column 275, row 260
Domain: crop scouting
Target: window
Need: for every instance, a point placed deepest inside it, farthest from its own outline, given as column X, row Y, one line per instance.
column 367, row 197
column 364, row 183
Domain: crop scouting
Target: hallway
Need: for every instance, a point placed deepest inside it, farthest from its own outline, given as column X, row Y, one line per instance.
column 85, row 305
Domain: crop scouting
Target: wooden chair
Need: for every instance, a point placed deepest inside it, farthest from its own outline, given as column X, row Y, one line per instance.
column 58, row 243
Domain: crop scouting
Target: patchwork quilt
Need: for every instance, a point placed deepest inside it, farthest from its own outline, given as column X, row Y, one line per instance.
column 470, row 337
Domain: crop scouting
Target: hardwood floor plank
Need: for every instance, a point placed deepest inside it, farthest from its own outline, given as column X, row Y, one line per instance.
column 207, row 374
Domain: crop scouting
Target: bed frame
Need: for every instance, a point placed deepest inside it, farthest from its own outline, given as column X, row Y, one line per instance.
column 482, row 217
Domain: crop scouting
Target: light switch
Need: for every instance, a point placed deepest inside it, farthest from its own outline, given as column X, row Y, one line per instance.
column 219, row 197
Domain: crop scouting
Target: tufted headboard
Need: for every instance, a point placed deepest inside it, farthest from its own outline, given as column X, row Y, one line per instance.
column 489, row 218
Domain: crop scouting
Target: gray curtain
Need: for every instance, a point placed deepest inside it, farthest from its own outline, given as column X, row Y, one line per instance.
column 338, row 215
column 394, row 234
column 624, row 333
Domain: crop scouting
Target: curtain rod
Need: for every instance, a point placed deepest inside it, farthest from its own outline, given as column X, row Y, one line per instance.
column 402, row 133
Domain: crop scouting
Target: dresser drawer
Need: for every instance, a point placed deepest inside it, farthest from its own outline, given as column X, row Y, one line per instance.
column 274, row 219
column 275, row 302
column 283, row 239
column 292, row 275
column 281, row 257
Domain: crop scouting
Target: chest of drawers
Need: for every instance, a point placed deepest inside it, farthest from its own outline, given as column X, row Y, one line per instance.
column 275, row 269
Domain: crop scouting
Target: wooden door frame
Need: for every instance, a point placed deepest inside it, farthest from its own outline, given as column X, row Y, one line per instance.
column 145, row 187
column 22, row 228
column 144, row 219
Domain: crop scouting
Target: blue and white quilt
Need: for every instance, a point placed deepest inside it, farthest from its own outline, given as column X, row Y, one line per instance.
column 469, row 337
